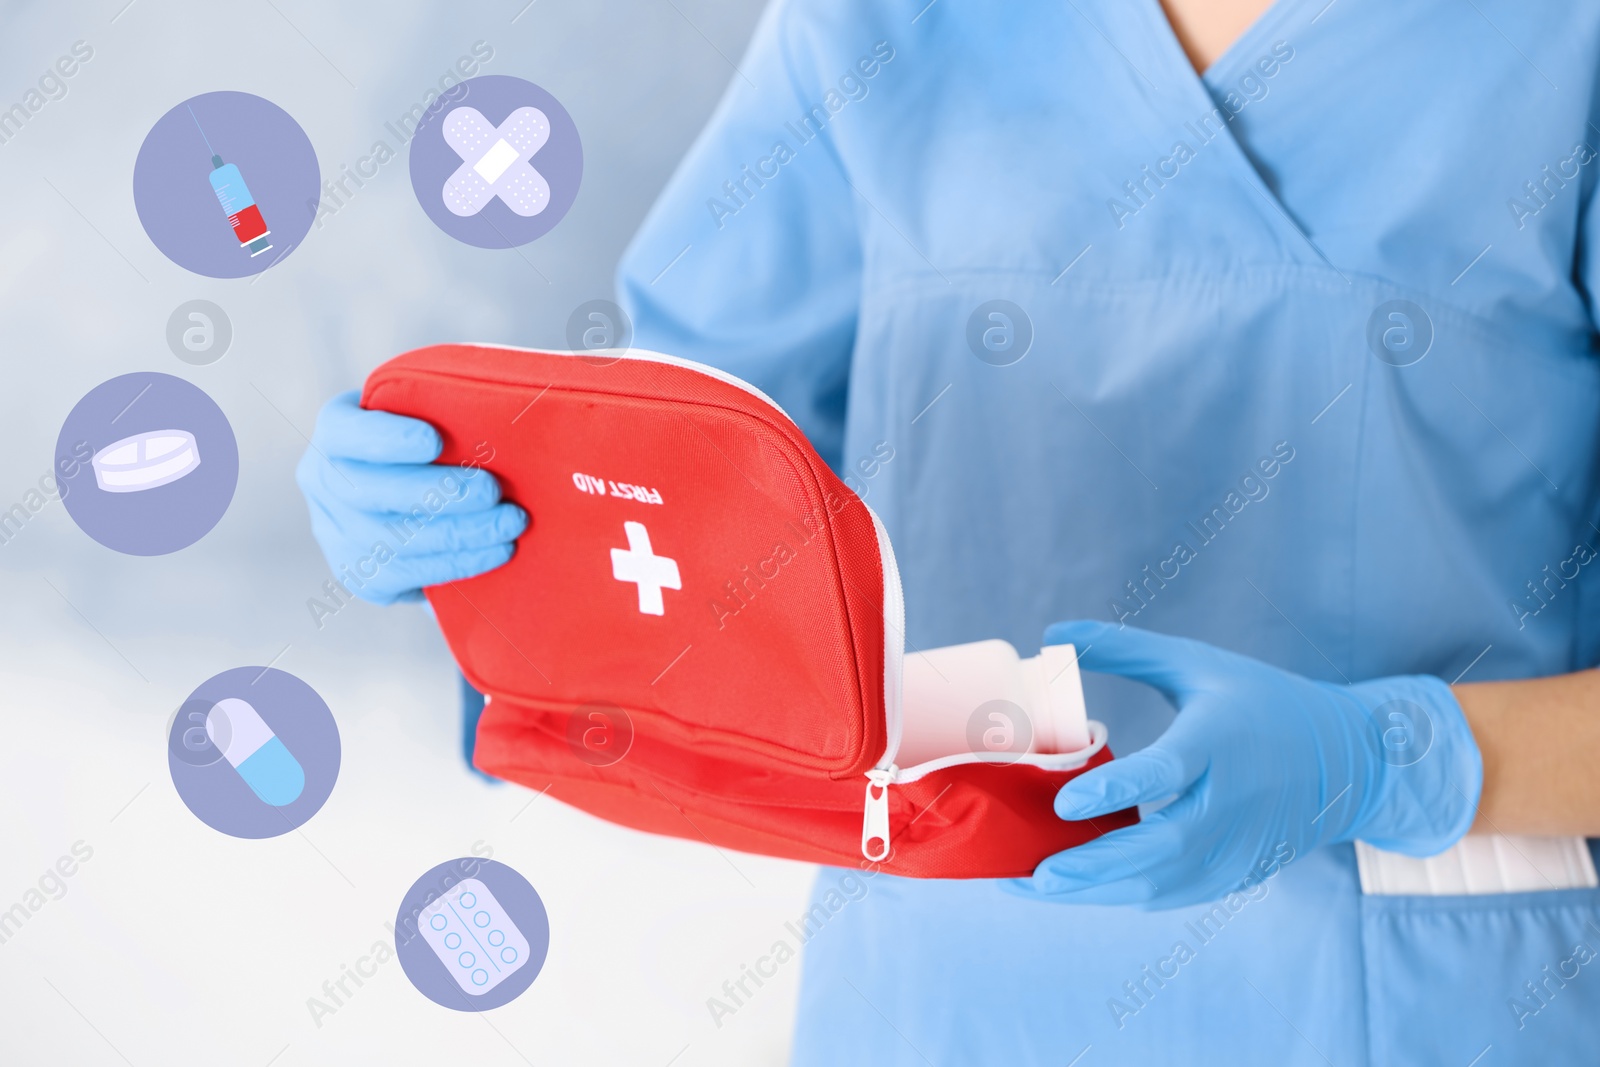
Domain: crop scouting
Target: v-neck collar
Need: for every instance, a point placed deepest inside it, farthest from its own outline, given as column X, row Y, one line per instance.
column 1245, row 50
column 1198, row 93
column 1246, row 44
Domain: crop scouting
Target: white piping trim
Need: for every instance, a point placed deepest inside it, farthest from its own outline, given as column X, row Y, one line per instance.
column 1050, row 761
column 647, row 356
column 894, row 645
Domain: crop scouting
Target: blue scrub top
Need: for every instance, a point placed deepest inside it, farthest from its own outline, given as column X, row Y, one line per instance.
column 1297, row 358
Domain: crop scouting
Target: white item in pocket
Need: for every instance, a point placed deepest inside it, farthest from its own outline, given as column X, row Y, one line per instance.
column 984, row 698
column 1480, row 863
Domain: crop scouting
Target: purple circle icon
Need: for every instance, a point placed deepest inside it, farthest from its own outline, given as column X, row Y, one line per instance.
column 226, row 184
column 472, row 934
column 147, row 464
column 253, row 752
column 496, row 162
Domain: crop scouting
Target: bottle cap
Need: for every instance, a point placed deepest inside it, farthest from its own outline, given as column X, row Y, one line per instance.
column 1061, row 723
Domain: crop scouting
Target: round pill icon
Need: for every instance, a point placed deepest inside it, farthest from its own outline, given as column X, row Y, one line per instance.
column 254, row 752
column 258, row 754
column 145, row 461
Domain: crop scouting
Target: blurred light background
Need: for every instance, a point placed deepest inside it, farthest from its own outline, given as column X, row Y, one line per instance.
column 175, row 944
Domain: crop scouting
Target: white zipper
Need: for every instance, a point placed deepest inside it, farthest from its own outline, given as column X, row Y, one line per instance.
column 894, row 643
column 875, row 817
column 1050, row 761
column 875, row 823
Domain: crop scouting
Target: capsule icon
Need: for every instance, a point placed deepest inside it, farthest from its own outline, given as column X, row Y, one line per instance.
column 261, row 758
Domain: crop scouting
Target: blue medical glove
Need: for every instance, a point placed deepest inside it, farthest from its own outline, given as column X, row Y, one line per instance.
column 388, row 519
column 1264, row 765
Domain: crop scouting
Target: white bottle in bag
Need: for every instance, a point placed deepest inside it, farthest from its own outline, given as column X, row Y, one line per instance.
column 982, row 698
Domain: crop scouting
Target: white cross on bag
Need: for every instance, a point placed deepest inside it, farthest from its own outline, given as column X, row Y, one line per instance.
column 637, row 563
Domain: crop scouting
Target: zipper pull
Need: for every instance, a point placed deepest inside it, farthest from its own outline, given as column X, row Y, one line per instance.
column 875, row 824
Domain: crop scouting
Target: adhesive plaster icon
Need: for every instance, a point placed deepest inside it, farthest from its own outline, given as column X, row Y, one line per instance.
column 495, row 161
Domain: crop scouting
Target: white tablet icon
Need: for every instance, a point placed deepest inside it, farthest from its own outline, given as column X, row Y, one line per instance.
column 474, row 937
column 638, row 563
column 145, row 460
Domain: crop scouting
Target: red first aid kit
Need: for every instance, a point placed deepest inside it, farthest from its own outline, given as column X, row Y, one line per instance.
column 701, row 631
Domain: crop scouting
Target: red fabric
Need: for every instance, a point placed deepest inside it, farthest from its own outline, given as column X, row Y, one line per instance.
column 754, row 701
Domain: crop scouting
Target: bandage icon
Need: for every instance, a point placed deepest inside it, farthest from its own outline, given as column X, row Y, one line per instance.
column 145, row 461
column 473, row 937
column 248, row 743
column 495, row 161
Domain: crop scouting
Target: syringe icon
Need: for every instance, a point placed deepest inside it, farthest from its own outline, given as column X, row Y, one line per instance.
column 234, row 196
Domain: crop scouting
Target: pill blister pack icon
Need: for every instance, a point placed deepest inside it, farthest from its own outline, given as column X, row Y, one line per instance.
column 473, row 937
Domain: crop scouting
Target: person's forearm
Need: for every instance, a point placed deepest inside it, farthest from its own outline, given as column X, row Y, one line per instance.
column 1540, row 740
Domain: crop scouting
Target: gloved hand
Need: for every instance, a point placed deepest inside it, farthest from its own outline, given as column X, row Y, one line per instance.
column 1265, row 765
column 390, row 521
